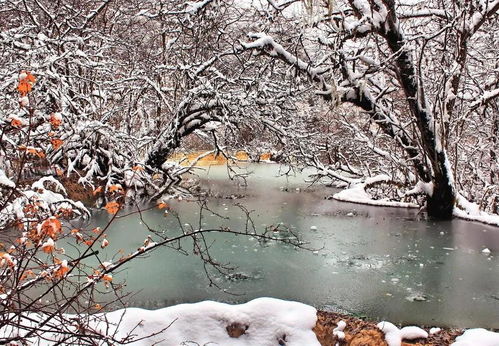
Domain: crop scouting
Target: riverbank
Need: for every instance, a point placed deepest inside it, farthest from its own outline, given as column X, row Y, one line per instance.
column 358, row 332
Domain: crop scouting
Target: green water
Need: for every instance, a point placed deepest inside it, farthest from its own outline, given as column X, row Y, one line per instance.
column 383, row 263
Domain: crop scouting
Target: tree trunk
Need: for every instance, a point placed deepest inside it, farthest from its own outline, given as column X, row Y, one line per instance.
column 441, row 203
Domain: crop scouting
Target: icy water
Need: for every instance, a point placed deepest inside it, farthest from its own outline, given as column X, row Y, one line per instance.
column 382, row 263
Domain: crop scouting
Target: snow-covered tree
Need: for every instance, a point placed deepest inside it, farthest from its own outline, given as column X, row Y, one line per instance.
column 417, row 70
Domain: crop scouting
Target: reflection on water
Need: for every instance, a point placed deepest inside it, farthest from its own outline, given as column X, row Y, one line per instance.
column 384, row 263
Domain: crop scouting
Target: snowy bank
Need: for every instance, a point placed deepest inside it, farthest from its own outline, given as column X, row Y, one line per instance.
column 471, row 211
column 463, row 209
column 263, row 321
column 356, row 193
column 471, row 337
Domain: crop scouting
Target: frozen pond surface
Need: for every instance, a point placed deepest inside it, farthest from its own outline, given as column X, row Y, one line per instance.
column 383, row 263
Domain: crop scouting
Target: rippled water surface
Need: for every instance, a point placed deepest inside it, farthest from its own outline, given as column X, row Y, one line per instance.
column 383, row 263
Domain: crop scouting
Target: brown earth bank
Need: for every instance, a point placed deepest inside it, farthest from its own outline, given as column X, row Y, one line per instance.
column 365, row 333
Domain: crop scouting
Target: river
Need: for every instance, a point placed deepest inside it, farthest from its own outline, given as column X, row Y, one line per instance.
column 381, row 263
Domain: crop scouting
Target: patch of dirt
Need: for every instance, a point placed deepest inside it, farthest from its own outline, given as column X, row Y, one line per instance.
column 235, row 329
column 365, row 333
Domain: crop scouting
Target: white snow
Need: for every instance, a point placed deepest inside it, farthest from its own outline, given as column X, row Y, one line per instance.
column 5, row 181
column 338, row 331
column 268, row 320
column 24, row 101
column 412, row 332
column 435, row 330
column 357, row 194
column 394, row 336
column 421, row 188
column 194, row 7
column 477, row 337
column 262, row 40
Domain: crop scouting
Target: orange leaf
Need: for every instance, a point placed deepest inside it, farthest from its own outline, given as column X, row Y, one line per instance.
column 112, row 207
column 62, row 270
column 16, row 123
column 30, row 78
column 56, row 143
column 48, row 246
column 24, row 87
column 97, row 190
column 107, row 277
column 162, row 205
column 51, row 227
column 34, row 152
column 114, row 188
column 137, row 168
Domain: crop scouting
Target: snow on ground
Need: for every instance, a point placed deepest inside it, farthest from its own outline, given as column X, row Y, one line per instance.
column 477, row 336
column 394, row 335
column 471, row 337
column 262, row 322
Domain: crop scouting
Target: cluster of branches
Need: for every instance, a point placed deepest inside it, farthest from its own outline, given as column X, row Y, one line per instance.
column 424, row 78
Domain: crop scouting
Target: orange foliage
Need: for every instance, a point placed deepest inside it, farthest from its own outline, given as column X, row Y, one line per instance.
column 16, row 123
column 62, row 270
column 51, row 227
column 265, row 156
column 163, row 205
column 26, row 81
column 33, row 151
column 56, row 143
column 115, row 188
column 112, row 207
column 48, row 246
column 97, row 190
